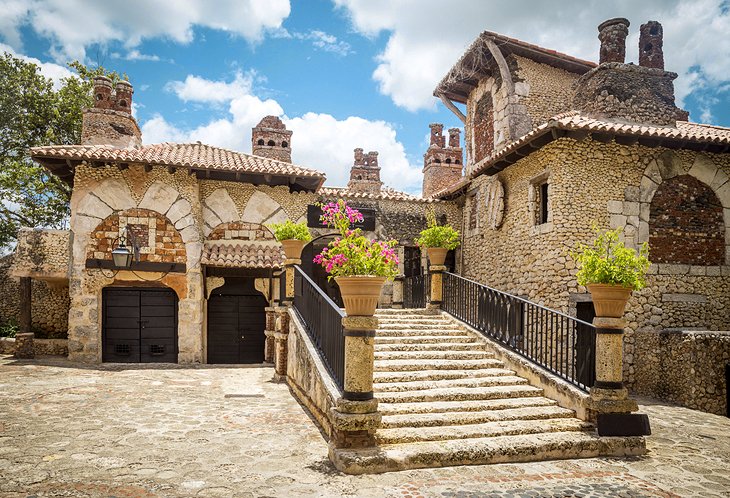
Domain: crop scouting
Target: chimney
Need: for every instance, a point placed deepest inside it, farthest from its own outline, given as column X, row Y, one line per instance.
column 365, row 173
column 454, row 141
column 437, row 137
column 651, row 41
column 359, row 159
column 110, row 121
column 271, row 139
column 372, row 160
column 612, row 34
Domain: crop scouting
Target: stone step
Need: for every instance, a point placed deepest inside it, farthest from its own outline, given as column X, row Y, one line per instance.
column 425, row 375
column 478, row 451
column 407, row 311
column 408, row 325
column 433, row 407
column 427, row 320
column 479, row 417
column 419, row 332
column 423, row 339
column 436, row 346
column 432, row 355
column 400, row 365
column 460, row 394
column 500, row 380
column 487, row 429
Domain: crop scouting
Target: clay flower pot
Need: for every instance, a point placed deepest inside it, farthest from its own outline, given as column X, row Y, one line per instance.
column 293, row 248
column 609, row 300
column 437, row 255
column 360, row 293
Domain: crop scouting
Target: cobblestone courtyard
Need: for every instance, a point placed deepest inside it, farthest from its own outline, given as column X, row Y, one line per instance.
column 74, row 430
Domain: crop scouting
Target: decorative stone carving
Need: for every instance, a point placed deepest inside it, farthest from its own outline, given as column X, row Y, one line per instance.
column 494, row 201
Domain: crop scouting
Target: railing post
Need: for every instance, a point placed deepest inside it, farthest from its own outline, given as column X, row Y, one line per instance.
column 609, row 400
column 356, row 417
column 398, row 292
column 288, row 294
column 436, row 290
column 269, row 332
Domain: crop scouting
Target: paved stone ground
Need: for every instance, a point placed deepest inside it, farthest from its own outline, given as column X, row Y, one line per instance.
column 80, row 431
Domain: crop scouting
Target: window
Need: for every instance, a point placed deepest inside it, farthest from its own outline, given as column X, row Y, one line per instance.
column 260, row 142
column 543, row 204
column 539, row 200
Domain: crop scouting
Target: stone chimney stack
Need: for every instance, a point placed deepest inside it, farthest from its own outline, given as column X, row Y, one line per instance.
column 612, row 34
column 437, row 135
column 442, row 166
column 365, row 173
column 651, row 42
column 110, row 121
column 271, row 139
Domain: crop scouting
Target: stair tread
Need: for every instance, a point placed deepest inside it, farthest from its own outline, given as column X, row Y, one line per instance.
column 435, row 364
column 487, row 429
column 435, row 346
column 444, row 407
column 432, row 355
column 439, row 419
column 416, row 375
column 511, row 380
column 460, row 393
column 419, row 339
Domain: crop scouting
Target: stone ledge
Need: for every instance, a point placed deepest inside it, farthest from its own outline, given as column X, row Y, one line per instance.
column 684, row 298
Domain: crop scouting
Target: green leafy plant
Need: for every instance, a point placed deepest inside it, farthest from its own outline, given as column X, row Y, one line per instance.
column 9, row 328
column 352, row 254
column 290, row 230
column 608, row 261
column 438, row 235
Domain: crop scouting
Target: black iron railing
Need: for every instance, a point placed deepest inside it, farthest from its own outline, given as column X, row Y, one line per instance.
column 323, row 320
column 557, row 342
column 415, row 290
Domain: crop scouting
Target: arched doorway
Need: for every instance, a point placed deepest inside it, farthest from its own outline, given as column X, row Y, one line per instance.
column 316, row 272
column 139, row 325
column 236, row 322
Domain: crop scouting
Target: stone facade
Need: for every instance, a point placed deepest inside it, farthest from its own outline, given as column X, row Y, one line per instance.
column 442, row 164
column 365, row 173
column 110, row 121
column 271, row 139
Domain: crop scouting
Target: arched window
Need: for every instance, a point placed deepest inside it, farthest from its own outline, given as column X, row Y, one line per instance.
column 271, row 143
column 285, row 144
column 686, row 223
column 448, row 160
column 260, row 142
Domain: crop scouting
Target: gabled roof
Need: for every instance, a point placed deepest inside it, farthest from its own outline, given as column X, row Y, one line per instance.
column 573, row 124
column 205, row 161
column 463, row 77
column 243, row 255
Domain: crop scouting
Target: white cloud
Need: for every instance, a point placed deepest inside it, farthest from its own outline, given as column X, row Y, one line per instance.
column 73, row 25
column 320, row 141
column 136, row 55
column 424, row 42
column 319, row 39
column 55, row 72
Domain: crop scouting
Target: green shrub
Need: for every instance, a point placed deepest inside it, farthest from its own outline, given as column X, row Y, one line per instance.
column 608, row 261
column 290, row 230
column 438, row 235
column 9, row 328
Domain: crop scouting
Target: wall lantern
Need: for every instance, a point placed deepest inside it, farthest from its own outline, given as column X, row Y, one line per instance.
column 122, row 256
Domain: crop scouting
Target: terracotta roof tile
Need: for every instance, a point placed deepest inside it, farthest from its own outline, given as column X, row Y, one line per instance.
column 385, row 194
column 191, row 155
column 243, row 255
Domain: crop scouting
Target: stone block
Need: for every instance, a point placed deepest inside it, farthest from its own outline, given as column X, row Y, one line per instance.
column 617, row 221
column 632, row 194
column 115, row 193
column 259, row 208
column 631, row 208
column 220, row 203
column 648, row 189
column 670, row 165
column 615, row 207
column 703, row 169
column 180, row 209
column 159, row 197
column 91, row 205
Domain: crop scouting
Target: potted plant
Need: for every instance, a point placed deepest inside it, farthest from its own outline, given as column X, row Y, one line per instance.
column 359, row 266
column 611, row 271
column 438, row 240
column 292, row 236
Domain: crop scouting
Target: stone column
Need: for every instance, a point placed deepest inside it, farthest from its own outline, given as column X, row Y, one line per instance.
column 356, row 418
column 288, row 294
column 398, row 292
column 24, row 346
column 281, row 336
column 270, row 331
column 436, row 289
column 609, row 401
column 24, row 339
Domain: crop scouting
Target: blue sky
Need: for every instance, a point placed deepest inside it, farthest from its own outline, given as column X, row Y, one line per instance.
column 342, row 73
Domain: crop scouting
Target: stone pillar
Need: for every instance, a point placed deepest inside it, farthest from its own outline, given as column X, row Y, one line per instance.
column 24, row 346
column 609, row 401
column 356, row 418
column 270, row 331
column 288, row 295
column 398, row 292
column 651, row 43
column 436, row 288
column 281, row 336
column 612, row 34
column 26, row 299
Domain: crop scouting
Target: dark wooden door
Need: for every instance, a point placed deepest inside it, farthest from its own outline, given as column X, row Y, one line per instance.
column 236, row 323
column 139, row 325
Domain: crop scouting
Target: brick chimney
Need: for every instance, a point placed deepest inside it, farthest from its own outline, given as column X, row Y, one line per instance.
column 612, row 34
column 271, row 139
column 442, row 165
column 365, row 173
column 651, row 43
column 110, row 121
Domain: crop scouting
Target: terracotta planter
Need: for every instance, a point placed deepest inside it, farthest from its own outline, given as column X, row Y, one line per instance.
column 293, row 248
column 360, row 294
column 437, row 255
column 609, row 300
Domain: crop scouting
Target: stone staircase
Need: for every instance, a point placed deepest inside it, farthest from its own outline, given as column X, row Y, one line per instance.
column 446, row 400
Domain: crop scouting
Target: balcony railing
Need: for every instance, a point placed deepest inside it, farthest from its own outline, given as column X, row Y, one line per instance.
column 322, row 319
column 415, row 290
column 555, row 341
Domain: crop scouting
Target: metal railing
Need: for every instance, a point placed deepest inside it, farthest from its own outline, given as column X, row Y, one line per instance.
column 322, row 319
column 555, row 341
column 415, row 291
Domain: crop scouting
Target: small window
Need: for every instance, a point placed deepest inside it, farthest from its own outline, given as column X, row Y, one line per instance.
column 285, row 144
column 544, row 203
column 123, row 103
column 271, row 143
column 260, row 142
column 539, row 200
column 448, row 161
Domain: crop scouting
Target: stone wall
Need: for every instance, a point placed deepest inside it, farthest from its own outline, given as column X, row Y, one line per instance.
column 686, row 367
column 41, row 347
column 613, row 186
column 545, row 90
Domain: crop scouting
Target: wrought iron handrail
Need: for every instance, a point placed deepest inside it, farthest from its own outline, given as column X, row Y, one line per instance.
column 415, row 291
column 558, row 342
column 322, row 319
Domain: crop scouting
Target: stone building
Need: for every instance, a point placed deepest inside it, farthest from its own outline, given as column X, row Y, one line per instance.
column 206, row 266
column 556, row 144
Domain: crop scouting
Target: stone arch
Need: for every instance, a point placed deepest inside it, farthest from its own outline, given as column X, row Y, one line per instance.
column 218, row 207
column 262, row 209
column 240, row 230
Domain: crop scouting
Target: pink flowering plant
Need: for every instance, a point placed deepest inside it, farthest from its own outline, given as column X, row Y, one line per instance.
column 352, row 254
